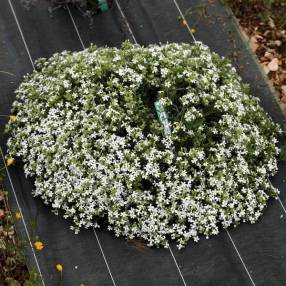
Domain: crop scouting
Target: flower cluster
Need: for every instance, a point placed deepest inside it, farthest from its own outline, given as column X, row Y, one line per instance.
column 88, row 132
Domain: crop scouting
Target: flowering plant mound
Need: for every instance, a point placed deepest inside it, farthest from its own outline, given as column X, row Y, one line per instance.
column 88, row 131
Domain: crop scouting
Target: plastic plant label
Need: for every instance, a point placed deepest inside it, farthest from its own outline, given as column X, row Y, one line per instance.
column 103, row 6
column 163, row 117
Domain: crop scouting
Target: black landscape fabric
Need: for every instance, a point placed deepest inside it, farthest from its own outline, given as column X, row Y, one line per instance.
column 210, row 262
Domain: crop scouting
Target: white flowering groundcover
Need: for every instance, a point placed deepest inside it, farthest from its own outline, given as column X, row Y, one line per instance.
column 88, row 132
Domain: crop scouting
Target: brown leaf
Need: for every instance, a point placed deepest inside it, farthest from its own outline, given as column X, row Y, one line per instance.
column 273, row 65
column 283, row 78
column 244, row 32
column 11, row 261
column 2, row 213
column 2, row 243
column 265, row 34
column 268, row 55
column 266, row 69
column 283, row 99
column 253, row 43
column 2, row 196
column 14, row 282
column 271, row 23
column 278, row 43
column 137, row 244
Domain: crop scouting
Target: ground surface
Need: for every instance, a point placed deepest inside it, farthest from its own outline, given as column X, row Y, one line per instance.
column 13, row 268
column 264, row 23
column 247, row 255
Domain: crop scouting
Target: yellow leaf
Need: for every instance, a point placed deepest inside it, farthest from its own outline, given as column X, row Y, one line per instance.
column 10, row 161
column 13, row 117
column 18, row 215
column 39, row 245
column 59, row 267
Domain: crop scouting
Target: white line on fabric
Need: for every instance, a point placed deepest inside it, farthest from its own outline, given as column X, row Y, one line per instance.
column 193, row 37
column 22, row 215
column 177, row 265
column 126, row 22
column 279, row 200
column 75, row 27
column 21, row 33
column 105, row 260
column 2, row 154
column 282, row 205
column 241, row 260
column 94, row 231
column 183, row 18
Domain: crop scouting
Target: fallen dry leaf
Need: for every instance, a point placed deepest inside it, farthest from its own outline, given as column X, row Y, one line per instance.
column 273, row 65
column 253, row 43
column 269, row 56
column 14, row 282
column 2, row 243
column 267, row 39
column 266, row 69
column 244, row 32
column 137, row 244
column 271, row 23
column 283, row 99
column 2, row 213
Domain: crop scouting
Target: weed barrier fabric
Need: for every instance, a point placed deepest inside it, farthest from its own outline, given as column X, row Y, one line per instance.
column 210, row 262
column 130, row 264
column 219, row 250
column 80, row 255
column 261, row 245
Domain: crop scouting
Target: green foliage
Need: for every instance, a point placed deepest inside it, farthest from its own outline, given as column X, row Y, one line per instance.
column 12, row 249
column 33, row 279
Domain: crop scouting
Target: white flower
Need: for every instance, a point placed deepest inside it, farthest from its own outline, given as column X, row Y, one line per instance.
column 88, row 132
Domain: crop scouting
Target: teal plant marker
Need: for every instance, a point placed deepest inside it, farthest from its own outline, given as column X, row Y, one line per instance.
column 163, row 117
column 103, row 6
